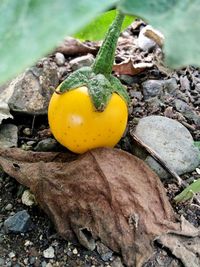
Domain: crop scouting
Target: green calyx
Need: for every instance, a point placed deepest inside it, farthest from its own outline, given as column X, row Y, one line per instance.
column 98, row 79
column 100, row 88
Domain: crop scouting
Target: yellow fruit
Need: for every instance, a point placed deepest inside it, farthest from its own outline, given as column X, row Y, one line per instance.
column 77, row 125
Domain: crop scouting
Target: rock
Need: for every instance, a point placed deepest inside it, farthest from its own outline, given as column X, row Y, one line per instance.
column 104, row 252
column 187, row 111
column 5, row 94
column 170, row 85
column 152, row 88
column 8, row 135
column 145, row 43
column 32, row 260
column 11, row 255
column 185, row 83
column 31, row 90
column 171, row 141
column 8, row 207
column 128, row 79
column 4, row 111
column 45, row 145
column 60, row 59
column 18, row 223
column 28, row 198
column 82, row 61
column 49, row 253
column 2, row 262
column 43, row 264
column 75, row 251
column 117, row 263
column 27, row 131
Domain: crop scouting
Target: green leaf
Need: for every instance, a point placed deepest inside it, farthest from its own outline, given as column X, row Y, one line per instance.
column 188, row 192
column 96, row 29
column 32, row 28
column 178, row 20
column 197, row 144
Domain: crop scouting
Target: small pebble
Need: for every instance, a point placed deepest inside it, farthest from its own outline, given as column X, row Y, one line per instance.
column 28, row 198
column 82, row 61
column 27, row 131
column 28, row 243
column 18, row 223
column 26, row 261
column 2, row 262
column 43, row 264
column 60, row 59
column 11, row 255
column 45, row 145
column 32, row 260
column 75, row 251
column 49, row 253
column 8, row 206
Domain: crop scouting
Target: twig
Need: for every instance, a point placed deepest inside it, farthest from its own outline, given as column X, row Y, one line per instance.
column 33, row 124
column 160, row 160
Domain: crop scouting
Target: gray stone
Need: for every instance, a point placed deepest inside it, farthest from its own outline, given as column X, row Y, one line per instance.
column 171, row 141
column 152, row 88
column 8, row 135
column 185, row 83
column 187, row 111
column 18, row 223
column 128, row 79
column 117, row 263
column 104, row 252
column 46, row 145
column 60, row 59
column 2, row 262
column 11, row 255
column 32, row 260
column 9, row 206
column 27, row 131
column 5, row 95
column 82, row 61
column 32, row 90
column 49, row 253
column 43, row 264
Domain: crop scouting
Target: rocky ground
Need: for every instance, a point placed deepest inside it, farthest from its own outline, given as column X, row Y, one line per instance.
column 27, row 236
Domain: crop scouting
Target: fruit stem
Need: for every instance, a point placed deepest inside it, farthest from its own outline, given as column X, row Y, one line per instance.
column 105, row 58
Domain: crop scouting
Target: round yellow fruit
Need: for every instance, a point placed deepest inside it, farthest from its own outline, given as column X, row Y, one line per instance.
column 77, row 125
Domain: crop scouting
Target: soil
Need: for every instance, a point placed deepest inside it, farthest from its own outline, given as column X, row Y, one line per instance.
column 26, row 249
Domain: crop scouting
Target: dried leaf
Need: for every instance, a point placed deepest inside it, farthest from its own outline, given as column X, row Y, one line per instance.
column 184, row 245
column 129, row 68
column 154, row 35
column 105, row 194
column 72, row 46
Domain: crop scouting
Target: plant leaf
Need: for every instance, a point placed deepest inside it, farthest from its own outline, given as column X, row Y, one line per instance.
column 32, row 28
column 197, row 144
column 178, row 20
column 96, row 29
column 188, row 192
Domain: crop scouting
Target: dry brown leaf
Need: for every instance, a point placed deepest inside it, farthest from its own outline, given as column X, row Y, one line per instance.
column 104, row 194
column 185, row 245
column 72, row 46
column 129, row 68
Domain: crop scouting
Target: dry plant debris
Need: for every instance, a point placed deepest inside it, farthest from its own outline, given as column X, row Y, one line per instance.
column 105, row 194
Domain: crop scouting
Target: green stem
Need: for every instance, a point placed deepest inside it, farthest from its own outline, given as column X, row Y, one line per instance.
column 105, row 58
